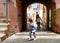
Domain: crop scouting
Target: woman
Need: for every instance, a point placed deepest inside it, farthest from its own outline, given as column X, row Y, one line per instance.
column 38, row 19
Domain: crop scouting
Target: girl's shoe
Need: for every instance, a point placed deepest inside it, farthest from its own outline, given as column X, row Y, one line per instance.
column 30, row 39
column 34, row 38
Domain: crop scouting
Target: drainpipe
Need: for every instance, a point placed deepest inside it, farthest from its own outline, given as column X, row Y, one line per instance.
column 7, row 10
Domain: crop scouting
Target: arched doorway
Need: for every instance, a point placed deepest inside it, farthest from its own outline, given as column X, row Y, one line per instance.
column 23, row 8
column 32, row 11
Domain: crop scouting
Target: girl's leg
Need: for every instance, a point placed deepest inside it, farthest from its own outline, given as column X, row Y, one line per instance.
column 30, row 34
column 34, row 34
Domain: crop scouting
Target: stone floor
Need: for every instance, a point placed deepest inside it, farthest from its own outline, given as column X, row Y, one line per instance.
column 42, row 37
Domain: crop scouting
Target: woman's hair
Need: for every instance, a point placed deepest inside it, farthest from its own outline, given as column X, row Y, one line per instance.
column 30, row 20
column 37, row 16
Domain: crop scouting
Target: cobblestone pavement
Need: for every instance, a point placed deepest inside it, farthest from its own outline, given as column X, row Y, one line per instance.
column 42, row 37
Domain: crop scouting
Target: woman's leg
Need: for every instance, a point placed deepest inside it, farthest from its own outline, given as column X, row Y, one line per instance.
column 38, row 25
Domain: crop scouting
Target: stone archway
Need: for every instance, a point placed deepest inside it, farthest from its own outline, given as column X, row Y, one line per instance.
column 22, row 16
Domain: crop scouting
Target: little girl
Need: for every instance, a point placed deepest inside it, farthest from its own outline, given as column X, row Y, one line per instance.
column 32, row 29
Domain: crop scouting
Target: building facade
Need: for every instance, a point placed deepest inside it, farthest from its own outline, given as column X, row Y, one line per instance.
column 16, row 12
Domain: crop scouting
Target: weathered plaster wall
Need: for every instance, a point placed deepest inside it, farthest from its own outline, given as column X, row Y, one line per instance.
column 57, row 17
column 2, row 8
column 19, row 14
column 12, row 14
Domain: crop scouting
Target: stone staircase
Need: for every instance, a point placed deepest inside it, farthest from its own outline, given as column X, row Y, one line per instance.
column 3, row 29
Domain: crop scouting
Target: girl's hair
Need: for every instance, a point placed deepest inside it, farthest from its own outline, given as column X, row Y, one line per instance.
column 30, row 20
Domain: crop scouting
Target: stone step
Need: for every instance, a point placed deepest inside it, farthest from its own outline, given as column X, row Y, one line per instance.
column 39, row 35
column 3, row 29
column 3, row 24
column 3, row 20
column 2, row 36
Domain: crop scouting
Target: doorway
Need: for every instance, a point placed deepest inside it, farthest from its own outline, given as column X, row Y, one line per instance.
column 30, row 11
column 41, row 9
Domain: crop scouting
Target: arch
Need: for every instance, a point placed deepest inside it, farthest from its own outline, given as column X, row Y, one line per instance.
column 25, row 3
